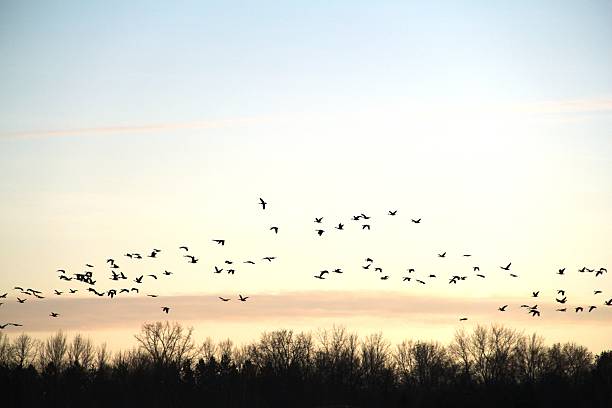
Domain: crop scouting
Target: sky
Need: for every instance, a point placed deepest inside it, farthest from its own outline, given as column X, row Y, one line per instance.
column 128, row 126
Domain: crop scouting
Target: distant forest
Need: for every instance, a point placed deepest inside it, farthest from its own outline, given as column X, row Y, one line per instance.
column 490, row 366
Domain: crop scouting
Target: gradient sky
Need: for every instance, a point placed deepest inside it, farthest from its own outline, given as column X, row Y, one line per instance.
column 126, row 127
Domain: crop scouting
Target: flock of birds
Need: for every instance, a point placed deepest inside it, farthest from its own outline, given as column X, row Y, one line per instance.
column 87, row 276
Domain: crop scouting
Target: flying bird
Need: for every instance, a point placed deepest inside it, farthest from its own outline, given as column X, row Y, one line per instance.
column 275, row 229
column 184, row 247
column 269, row 258
column 442, row 255
column 392, row 212
column 561, row 271
column 263, row 203
column 53, row 314
column 591, row 308
column 503, row 308
column 340, row 227
column 416, row 221
column 219, row 241
column 365, row 226
column 320, row 232
column 507, row 267
column 225, row 299
column 243, row 298
column 463, row 319
column 165, row 309
column 535, row 294
column 318, row 220
column 534, row 312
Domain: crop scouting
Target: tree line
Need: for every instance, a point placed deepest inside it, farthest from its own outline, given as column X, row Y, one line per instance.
column 487, row 366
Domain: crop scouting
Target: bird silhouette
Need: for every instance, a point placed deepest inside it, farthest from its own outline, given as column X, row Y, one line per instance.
column 61, row 271
column 535, row 294
column 480, row 275
column 563, row 309
column 561, row 292
column 608, row 302
column 367, row 266
column 153, row 276
column 591, row 308
column 384, row 277
column 337, row 270
column 153, row 296
column 416, row 221
column 152, row 255
column 219, row 241
column 596, row 292
column 340, row 227
column 563, row 300
column 165, row 309
column 3, row 296
column 275, row 229
column 463, row 319
column 406, row 278
column 513, row 275
column 53, row 314
column 420, row 281
column 322, row 273
column 73, row 291
column 442, row 255
column 320, row 232
column 534, row 312
column 249, row 262
column 365, row 226
column 243, row 298
column 89, row 265
column 263, row 203
column 578, row 309
column 377, row 269
column 502, row 308
column 318, row 220
column 185, row 248
column 561, row 271
column 224, row 299
column 476, row 268
column 167, row 273
column 392, row 212
column 218, row 270
column 139, row 279
column 229, row 262
column 507, row 267
column 231, row 271
column 21, row 300
column 192, row 259
column 268, row 258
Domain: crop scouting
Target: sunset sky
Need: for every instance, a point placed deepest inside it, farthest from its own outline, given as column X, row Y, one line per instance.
column 127, row 127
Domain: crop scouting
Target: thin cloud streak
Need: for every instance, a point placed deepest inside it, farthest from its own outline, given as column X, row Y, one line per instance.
column 576, row 106
column 145, row 128
column 98, row 314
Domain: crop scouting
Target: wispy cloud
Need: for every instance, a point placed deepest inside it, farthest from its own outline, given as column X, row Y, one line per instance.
column 142, row 128
column 105, row 313
column 562, row 107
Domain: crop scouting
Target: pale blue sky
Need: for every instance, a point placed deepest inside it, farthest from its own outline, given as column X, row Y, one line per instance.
column 87, row 64
column 130, row 125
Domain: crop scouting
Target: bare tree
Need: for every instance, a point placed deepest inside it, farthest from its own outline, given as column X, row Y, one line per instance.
column 25, row 349
column 53, row 351
column 6, row 351
column 81, row 352
column 531, row 357
column 374, row 356
column 102, row 357
column 166, row 344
